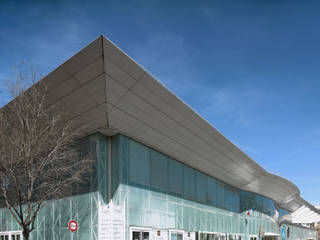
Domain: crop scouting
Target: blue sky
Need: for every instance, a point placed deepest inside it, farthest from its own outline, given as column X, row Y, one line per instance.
column 251, row 68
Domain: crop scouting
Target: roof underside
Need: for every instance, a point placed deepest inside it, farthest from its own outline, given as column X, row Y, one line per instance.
column 305, row 215
column 110, row 93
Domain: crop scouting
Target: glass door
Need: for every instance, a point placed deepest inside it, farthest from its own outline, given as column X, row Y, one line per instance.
column 138, row 234
column 175, row 235
column 16, row 236
column 4, row 236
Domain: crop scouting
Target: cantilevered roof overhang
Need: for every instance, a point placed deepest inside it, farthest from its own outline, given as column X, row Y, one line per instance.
column 110, row 93
column 306, row 214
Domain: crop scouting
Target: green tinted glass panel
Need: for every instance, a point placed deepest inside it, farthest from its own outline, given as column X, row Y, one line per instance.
column 212, row 192
column 201, row 187
column 175, row 177
column 139, row 166
column 189, row 190
column 220, row 194
column 159, row 170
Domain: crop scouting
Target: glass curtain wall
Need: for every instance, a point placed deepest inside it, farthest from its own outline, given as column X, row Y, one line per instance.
column 293, row 232
column 283, row 212
column 163, row 193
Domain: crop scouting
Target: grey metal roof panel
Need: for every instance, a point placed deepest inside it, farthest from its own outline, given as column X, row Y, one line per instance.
column 112, row 94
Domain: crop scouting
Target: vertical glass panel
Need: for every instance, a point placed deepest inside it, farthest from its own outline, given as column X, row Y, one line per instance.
column 115, row 164
column 159, row 170
column 173, row 236
column 269, row 207
column 259, row 200
column 201, row 187
column 139, row 163
column 242, row 201
column 123, row 158
column 175, row 177
column 235, row 200
column 18, row 237
column 203, row 236
column 220, row 194
column 252, row 203
column 212, row 192
column 145, row 236
column 228, row 197
column 13, row 237
column 188, row 217
column 189, row 183
column 136, row 235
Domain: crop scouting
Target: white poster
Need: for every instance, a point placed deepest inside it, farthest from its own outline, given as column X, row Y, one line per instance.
column 111, row 222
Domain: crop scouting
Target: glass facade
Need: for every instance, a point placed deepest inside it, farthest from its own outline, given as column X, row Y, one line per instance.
column 157, row 192
column 283, row 212
column 163, row 193
column 292, row 232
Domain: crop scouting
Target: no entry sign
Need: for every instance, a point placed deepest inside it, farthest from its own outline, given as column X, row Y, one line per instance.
column 73, row 226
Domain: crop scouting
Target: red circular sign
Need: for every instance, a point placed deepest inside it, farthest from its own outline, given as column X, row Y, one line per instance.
column 73, row 226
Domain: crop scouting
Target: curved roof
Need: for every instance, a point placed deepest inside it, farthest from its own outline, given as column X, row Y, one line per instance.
column 110, row 93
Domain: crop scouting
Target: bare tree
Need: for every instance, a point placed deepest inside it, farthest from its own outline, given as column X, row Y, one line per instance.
column 40, row 156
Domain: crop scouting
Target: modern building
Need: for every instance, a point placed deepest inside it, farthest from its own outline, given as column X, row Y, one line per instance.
column 163, row 171
column 316, row 225
column 304, row 217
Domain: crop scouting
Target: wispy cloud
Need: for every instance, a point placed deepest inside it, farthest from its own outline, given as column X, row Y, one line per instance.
column 234, row 103
column 252, row 152
column 50, row 51
column 47, row 49
column 165, row 55
column 208, row 13
column 161, row 52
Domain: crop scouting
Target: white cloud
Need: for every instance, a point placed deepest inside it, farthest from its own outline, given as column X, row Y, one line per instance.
column 165, row 56
column 209, row 13
column 234, row 103
column 252, row 152
column 52, row 51
column 161, row 52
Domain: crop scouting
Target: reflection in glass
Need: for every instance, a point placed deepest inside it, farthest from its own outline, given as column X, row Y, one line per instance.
column 145, row 235
column 136, row 235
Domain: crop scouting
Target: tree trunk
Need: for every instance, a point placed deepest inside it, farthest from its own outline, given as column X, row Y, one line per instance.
column 26, row 235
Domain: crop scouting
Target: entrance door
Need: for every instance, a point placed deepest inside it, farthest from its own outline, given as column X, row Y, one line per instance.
column 15, row 235
column 140, row 234
column 4, row 236
column 176, row 235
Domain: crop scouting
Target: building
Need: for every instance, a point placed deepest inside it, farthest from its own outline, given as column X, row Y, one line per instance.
column 316, row 225
column 304, row 217
column 163, row 171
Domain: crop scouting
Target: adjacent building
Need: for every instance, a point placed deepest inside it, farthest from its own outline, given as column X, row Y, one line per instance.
column 163, row 171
